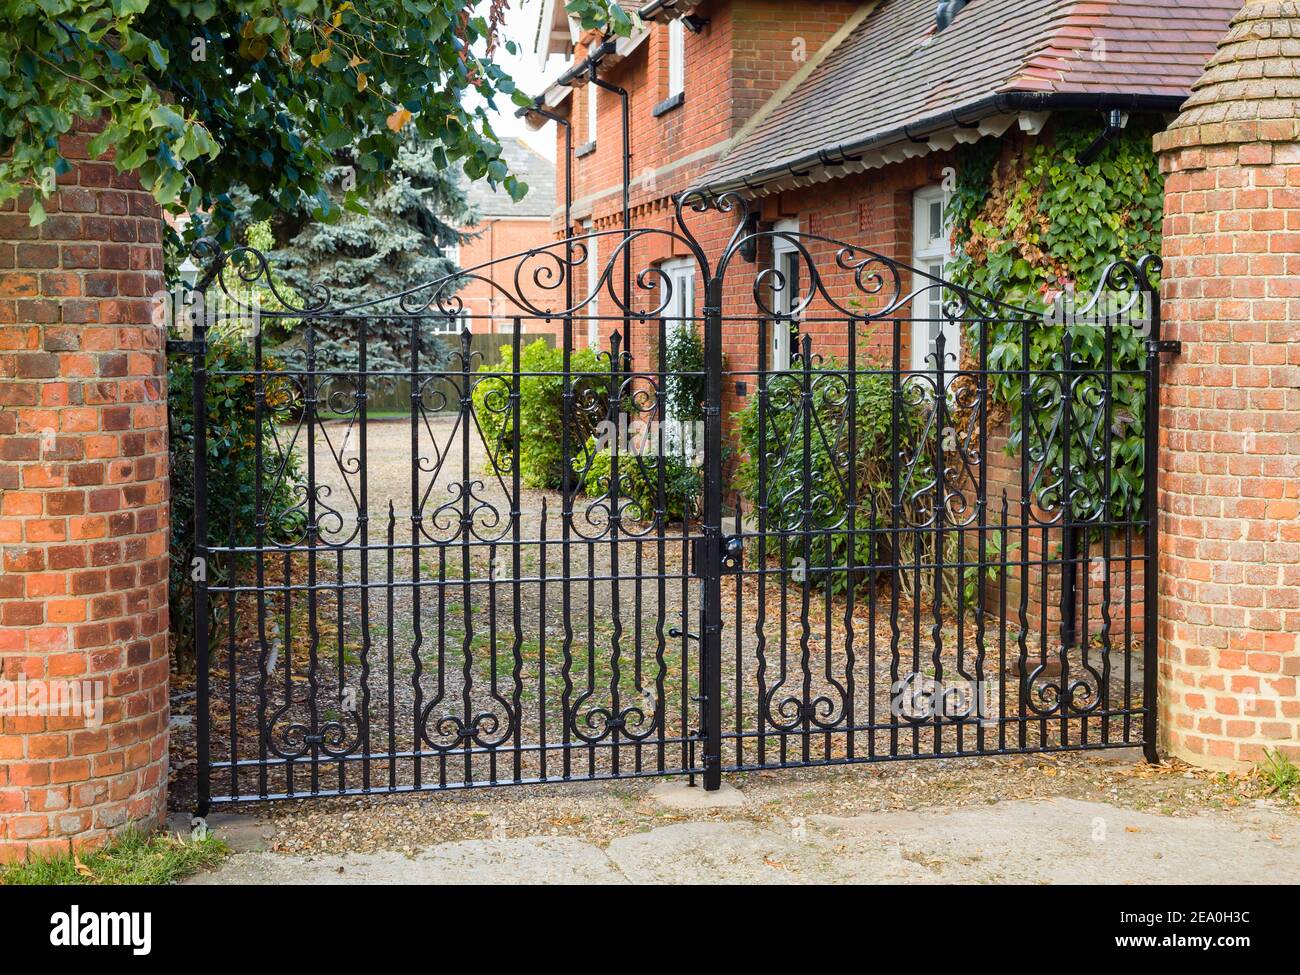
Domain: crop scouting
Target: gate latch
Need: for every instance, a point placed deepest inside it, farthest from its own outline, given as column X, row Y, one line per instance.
column 733, row 551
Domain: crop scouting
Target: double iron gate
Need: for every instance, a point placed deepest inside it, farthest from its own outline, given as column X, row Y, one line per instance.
column 806, row 546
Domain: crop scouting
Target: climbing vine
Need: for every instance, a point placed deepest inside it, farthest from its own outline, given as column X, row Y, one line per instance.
column 1032, row 224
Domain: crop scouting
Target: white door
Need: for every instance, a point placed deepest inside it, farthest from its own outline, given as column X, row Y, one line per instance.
column 930, row 254
column 786, row 292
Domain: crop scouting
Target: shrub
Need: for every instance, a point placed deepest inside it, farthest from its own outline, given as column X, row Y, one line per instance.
column 231, row 419
column 828, row 471
column 541, row 407
column 684, row 384
column 638, row 480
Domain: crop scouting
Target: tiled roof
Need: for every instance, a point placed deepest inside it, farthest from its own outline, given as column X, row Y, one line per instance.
column 1255, row 74
column 529, row 166
column 892, row 71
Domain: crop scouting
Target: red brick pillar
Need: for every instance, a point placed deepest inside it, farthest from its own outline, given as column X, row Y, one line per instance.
column 1230, row 404
column 83, row 514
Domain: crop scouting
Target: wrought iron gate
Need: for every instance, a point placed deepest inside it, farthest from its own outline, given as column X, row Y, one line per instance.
column 809, row 547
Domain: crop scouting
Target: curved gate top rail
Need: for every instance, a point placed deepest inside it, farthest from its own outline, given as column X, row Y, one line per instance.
column 560, row 271
column 860, row 522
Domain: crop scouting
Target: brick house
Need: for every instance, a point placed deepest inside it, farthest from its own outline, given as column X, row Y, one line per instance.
column 842, row 122
column 83, row 428
column 503, row 227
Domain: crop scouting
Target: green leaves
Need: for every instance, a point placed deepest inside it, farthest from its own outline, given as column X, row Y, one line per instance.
column 1040, row 224
column 202, row 96
column 541, row 413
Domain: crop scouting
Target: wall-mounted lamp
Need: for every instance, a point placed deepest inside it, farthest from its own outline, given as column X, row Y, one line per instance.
column 695, row 24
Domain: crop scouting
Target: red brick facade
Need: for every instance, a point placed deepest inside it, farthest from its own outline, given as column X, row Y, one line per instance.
column 1230, row 405
column 484, row 294
column 83, row 511
column 733, row 66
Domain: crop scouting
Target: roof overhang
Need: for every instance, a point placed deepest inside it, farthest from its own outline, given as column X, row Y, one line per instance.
column 608, row 54
column 989, row 116
column 545, row 29
column 662, row 11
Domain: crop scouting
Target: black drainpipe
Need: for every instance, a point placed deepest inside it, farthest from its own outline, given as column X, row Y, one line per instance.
column 627, row 184
column 1116, row 122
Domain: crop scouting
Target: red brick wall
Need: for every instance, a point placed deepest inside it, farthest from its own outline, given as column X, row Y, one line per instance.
column 484, row 296
column 1230, row 408
column 83, row 508
column 732, row 68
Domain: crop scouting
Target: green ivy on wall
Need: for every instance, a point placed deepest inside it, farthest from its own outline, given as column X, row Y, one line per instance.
column 1032, row 223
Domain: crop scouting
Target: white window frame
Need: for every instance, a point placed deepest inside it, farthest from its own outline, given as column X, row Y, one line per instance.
column 679, row 273
column 593, row 91
column 676, row 58
column 679, row 314
column 932, row 255
column 786, row 257
column 593, row 278
column 449, row 324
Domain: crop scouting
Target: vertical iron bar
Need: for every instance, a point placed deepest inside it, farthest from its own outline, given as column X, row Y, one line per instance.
column 363, row 397
column 417, row 633
column 313, row 624
column 200, row 374
column 390, row 640
column 940, row 509
column 618, row 419
column 982, row 503
column 541, row 644
column 711, row 577
column 1069, row 539
column 1104, row 515
column 805, row 548
column 661, row 532
column 567, row 487
column 850, row 562
column 516, row 561
column 760, row 633
column 259, row 542
column 1026, row 492
column 895, row 524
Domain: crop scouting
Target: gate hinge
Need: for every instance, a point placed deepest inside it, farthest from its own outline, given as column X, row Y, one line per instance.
column 1172, row 346
column 732, row 554
column 184, row 347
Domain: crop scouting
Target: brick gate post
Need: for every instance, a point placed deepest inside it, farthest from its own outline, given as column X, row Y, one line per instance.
column 1229, row 607
column 83, row 513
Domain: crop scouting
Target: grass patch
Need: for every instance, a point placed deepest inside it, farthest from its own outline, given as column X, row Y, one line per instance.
column 1281, row 776
column 133, row 858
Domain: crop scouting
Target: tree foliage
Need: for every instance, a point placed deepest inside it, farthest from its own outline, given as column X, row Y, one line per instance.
column 401, row 242
column 1031, row 224
column 200, row 96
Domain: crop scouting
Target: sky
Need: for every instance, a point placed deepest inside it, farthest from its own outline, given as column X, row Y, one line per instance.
column 531, row 79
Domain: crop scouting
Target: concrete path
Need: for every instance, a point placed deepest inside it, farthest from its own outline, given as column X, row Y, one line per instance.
column 1017, row 842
